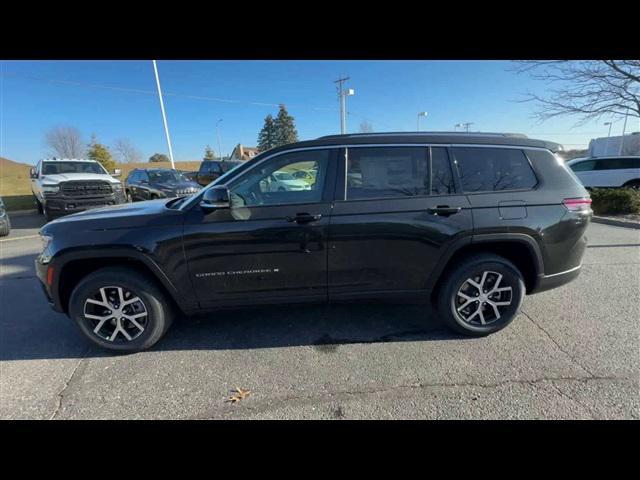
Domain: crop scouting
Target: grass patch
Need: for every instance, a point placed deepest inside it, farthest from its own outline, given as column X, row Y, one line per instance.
column 615, row 200
column 18, row 202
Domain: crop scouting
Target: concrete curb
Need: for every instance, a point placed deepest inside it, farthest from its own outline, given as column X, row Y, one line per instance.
column 616, row 223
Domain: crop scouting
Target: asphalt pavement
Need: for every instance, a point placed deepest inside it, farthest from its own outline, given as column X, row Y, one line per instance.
column 572, row 353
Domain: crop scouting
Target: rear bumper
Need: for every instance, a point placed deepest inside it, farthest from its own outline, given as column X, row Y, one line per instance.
column 547, row 282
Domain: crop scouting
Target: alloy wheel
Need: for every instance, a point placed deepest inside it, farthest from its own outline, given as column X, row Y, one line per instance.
column 481, row 299
column 116, row 314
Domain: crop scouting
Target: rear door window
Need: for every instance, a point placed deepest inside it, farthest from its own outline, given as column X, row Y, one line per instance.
column 586, row 166
column 486, row 169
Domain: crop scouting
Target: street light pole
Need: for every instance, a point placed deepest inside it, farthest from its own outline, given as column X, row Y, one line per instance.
column 342, row 94
column 420, row 114
column 164, row 117
column 218, row 135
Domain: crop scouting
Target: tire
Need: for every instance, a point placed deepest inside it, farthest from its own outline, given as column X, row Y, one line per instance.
column 154, row 312
column 5, row 228
column 456, row 291
column 129, row 197
column 635, row 184
column 38, row 205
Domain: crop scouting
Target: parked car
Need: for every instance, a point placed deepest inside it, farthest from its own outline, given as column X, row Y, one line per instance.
column 5, row 223
column 212, row 169
column 191, row 176
column 308, row 175
column 283, row 182
column 153, row 183
column 607, row 171
column 470, row 222
column 62, row 186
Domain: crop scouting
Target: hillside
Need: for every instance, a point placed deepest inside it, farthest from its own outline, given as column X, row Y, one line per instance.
column 14, row 178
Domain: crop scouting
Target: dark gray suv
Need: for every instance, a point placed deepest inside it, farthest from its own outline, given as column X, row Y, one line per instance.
column 471, row 222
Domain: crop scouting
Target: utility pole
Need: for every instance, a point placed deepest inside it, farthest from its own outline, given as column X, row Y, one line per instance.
column 342, row 94
column 466, row 125
column 164, row 116
column 218, row 135
column 608, row 136
column 420, row 114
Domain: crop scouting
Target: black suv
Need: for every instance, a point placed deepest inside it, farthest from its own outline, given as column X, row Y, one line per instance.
column 152, row 183
column 212, row 169
column 472, row 222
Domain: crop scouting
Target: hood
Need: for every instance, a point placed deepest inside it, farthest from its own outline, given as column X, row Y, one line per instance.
column 127, row 215
column 67, row 177
column 178, row 185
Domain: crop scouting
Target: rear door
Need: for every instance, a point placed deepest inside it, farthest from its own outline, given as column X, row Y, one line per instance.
column 396, row 211
column 585, row 171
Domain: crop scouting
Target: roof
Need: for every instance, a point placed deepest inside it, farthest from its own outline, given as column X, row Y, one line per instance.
column 607, row 157
column 445, row 138
column 68, row 160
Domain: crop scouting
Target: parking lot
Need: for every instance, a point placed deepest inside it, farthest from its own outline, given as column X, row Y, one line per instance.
column 573, row 352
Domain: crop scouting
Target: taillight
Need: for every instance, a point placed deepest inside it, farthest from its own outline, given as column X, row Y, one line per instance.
column 577, row 204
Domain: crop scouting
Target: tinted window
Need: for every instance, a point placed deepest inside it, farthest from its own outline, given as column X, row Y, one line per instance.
column 387, row 172
column 493, row 169
column 133, row 176
column 441, row 177
column 617, row 163
column 585, row 166
column 274, row 182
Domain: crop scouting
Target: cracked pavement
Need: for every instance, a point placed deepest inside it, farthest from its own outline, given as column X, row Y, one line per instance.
column 572, row 353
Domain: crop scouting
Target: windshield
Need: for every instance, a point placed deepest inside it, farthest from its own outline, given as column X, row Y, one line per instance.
column 166, row 176
column 284, row 176
column 55, row 168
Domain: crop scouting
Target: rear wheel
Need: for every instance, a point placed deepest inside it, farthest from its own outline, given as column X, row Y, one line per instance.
column 5, row 228
column 635, row 184
column 121, row 310
column 481, row 295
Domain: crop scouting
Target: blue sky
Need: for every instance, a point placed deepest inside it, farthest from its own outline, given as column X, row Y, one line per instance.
column 117, row 99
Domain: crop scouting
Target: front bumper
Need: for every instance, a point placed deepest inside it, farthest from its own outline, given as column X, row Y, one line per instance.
column 41, row 273
column 65, row 205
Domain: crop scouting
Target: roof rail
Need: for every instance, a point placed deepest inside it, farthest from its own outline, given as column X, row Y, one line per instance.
column 466, row 134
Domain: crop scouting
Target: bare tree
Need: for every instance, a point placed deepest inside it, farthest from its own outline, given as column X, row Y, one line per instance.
column 64, row 142
column 366, row 127
column 126, row 152
column 587, row 89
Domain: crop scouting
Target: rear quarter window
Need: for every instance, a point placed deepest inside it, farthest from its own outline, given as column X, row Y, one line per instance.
column 486, row 169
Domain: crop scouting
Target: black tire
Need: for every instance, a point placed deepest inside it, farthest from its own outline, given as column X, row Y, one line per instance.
column 159, row 309
column 473, row 268
column 5, row 228
column 635, row 184
column 129, row 197
column 38, row 205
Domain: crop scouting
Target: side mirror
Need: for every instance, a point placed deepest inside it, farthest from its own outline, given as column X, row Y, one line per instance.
column 215, row 198
column 116, row 173
column 32, row 173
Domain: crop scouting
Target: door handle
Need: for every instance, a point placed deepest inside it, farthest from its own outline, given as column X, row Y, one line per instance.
column 444, row 210
column 304, row 218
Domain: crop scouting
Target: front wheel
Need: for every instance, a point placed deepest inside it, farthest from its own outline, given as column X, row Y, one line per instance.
column 121, row 310
column 481, row 295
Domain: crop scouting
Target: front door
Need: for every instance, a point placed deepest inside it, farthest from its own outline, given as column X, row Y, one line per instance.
column 271, row 245
column 395, row 212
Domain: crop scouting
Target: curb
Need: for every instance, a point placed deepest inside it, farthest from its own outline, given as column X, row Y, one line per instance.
column 616, row 223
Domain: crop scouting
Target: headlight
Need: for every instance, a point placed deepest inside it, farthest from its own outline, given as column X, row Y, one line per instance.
column 46, row 240
column 50, row 188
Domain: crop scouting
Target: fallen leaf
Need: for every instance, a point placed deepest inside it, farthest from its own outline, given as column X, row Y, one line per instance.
column 239, row 395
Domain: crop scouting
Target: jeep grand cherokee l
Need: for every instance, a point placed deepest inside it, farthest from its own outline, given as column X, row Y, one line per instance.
column 471, row 222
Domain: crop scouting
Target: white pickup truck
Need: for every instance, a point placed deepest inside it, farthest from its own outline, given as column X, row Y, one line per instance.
column 62, row 186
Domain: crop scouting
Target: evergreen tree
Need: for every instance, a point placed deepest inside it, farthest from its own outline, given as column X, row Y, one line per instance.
column 208, row 153
column 285, row 128
column 267, row 136
column 101, row 153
